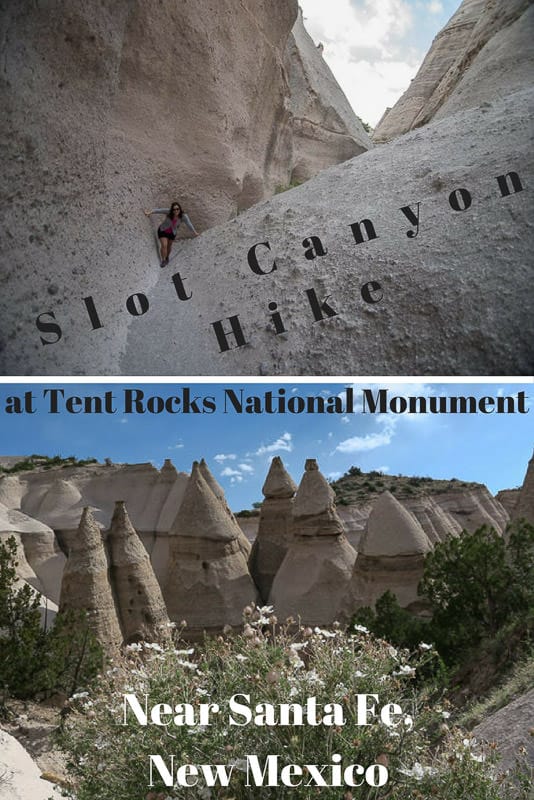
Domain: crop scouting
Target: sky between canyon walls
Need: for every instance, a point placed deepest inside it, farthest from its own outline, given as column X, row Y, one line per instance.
column 375, row 47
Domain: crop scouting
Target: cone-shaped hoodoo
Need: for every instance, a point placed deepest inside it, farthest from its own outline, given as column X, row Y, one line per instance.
column 218, row 491
column 274, row 529
column 85, row 585
column 316, row 571
column 142, row 612
column 391, row 557
column 208, row 583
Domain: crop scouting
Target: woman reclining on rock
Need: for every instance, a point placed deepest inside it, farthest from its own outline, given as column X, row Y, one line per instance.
column 169, row 226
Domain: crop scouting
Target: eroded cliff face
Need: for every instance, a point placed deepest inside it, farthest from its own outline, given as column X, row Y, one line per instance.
column 325, row 130
column 482, row 54
column 113, row 107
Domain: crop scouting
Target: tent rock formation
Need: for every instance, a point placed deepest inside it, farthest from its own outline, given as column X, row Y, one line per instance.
column 482, row 54
column 391, row 556
column 275, row 527
column 141, row 610
column 316, row 570
column 208, row 583
column 85, row 584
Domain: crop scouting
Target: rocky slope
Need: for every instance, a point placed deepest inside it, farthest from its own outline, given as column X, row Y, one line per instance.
column 483, row 53
column 112, row 108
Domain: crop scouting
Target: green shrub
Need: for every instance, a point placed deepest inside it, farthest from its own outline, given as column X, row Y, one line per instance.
column 272, row 665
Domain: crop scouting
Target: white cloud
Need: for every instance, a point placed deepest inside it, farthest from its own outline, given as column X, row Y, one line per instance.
column 364, row 48
column 435, row 7
column 246, row 468
column 177, row 446
column 228, row 472
column 345, row 420
column 357, row 444
column 123, row 421
column 382, row 469
column 221, row 457
column 333, row 476
column 282, row 443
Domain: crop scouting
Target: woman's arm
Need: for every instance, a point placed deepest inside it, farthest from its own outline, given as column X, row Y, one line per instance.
column 157, row 211
column 189, row 224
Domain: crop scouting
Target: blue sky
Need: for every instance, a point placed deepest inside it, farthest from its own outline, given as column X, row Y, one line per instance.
column 375, row 47
column 493, row 449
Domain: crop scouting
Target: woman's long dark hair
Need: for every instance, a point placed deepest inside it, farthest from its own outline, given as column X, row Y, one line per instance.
column 171, row 212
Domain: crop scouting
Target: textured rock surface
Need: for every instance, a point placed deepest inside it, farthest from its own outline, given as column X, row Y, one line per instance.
column 483, row 53
column 443, row 309
column 324, row 126
column 142, row 103
column 208, row 583
column 317, row 568
column 508, row 499
column 85, row 584
column 218, row 491
column 511, row 728
column 391, row 557
column 473, row 508
column 41, row 561
column 141, row 610
column 21, row 777
column 153, row 498
column 274, row 527
column 524, row 508
column 437, row 523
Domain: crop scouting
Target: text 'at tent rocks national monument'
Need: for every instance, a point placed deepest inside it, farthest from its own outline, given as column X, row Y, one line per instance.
column 412, row 257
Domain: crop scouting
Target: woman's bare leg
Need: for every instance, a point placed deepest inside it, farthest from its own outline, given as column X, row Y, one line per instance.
column 169, row 248
column 163, row 245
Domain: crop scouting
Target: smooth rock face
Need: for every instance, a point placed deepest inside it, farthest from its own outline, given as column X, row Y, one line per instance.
column 316, row 571
column 508, row 499
column 143, row 104
column 21, row 777
column 510, row 728
column 437, row 523
column 391, row 557
column 218, row 491
column 41, row 561
column 275, row 527
column 85, row 584
column 473, row 508
column 446, row 282
column 208, row 583
column 141, row 610
column 153, row 498
column 524, row 509
column 482, row 54
column 324, row 126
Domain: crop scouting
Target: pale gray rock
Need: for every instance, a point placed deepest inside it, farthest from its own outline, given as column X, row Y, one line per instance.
column 524, row 508
column 316, row 571
column 437, row 523
column 85, row 585
column 484, row 53
column 325, row 129
column 132, row 105
column 508, row 499
column 443, row 310
column 274, row 532
column 208, row 583
column 472, row 508
column 511, row 729
column 20, row 775
column 40, row 559
column 391, row 557
column 141, row 609
column 218, row 491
